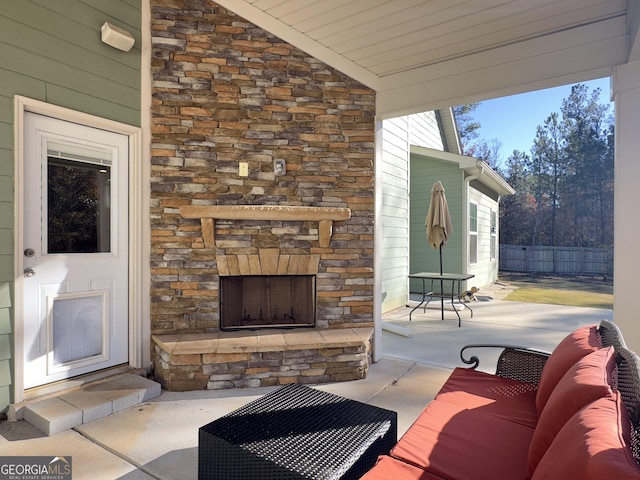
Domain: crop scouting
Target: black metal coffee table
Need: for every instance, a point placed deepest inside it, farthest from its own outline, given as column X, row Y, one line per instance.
column 296, row 432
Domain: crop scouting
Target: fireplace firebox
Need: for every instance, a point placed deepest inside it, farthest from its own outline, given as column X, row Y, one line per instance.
column 267, row 301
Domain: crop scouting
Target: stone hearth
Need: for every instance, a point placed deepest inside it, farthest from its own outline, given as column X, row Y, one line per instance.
column 260, row 359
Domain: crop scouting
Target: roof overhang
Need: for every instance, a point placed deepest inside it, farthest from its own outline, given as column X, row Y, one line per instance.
column 423, row 55
column 471, row 166
column 449, row 130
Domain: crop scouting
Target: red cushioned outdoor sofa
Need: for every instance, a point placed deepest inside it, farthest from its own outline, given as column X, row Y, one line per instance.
column 571, row 414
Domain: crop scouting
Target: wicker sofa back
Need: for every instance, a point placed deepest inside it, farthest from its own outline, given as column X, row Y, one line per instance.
column 628, row 384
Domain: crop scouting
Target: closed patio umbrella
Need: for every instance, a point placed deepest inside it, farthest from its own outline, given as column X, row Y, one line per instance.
column 439, row 226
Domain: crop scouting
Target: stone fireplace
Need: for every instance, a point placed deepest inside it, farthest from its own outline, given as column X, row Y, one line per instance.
column 270, row 289
column 265, row 293
column 261, row 168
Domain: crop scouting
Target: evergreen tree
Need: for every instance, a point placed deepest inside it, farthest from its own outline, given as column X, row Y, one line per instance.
column 467, row 127
column 590, row 173
column 517, row 211
column 548, row 162
column 564, row 188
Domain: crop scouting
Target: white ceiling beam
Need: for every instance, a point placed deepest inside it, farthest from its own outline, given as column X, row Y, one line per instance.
column 581, row 63
column 442, row 42
column 543, row 62
column 523, row 52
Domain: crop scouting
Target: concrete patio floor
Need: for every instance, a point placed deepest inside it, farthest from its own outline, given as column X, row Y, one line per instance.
column 159, row 439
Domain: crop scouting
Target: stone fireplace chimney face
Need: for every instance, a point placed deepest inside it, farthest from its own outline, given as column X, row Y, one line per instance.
column 224, row 93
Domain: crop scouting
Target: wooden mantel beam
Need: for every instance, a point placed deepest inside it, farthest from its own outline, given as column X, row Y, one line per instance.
column 325, row 216
column 264, row 212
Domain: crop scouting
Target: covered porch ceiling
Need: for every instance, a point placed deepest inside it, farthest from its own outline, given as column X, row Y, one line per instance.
column 421, row 55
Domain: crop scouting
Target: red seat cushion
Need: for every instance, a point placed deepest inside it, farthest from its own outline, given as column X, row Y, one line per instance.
column 579, row 343
column 465, row 444
column 387, row 468
column 592, row 445
column 510, row 399
column 587, row 380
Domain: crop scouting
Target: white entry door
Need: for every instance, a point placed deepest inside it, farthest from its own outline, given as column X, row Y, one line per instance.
column 75, row 277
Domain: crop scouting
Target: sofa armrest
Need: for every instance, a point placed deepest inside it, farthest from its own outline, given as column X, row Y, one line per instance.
column 610, row 335
column 516, row 363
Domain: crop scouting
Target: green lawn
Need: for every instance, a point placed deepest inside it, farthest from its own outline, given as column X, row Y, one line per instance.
column 578, row 292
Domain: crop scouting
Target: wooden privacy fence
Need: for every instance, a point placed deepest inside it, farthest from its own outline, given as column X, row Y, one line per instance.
column 556, row 260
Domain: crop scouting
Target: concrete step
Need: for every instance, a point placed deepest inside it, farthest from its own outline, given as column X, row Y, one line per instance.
column 68, row 410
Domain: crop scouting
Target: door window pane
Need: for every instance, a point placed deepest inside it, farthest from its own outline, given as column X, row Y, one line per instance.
column 78, row 206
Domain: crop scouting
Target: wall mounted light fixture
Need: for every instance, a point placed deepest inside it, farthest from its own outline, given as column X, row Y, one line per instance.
column 117, row 37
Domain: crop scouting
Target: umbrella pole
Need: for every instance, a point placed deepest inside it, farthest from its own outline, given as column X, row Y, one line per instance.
column 441, row 287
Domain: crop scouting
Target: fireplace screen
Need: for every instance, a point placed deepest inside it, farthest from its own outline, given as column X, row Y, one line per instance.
column 267, row 301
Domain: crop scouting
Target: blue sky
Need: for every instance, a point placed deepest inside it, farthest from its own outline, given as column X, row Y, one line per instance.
column 513, row 120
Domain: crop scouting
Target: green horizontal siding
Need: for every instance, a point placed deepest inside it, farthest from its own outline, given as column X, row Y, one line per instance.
column 5, row 348
column 51, row 50
column 6, row 339
column 74, row 22
column 424, row 173
column 6, row 161
column 5, row 321
column 100, row 85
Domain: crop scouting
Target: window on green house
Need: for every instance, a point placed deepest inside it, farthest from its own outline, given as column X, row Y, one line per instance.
column 494, row 234
column 473, row 233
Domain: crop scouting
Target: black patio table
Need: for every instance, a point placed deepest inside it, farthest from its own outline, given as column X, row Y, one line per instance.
column 429, row 293
column 296, row 432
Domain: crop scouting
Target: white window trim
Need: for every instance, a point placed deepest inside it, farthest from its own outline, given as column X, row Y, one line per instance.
column 473, row 233
column 493, row 232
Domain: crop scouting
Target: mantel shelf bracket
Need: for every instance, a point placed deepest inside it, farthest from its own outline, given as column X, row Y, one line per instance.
column 208, row 214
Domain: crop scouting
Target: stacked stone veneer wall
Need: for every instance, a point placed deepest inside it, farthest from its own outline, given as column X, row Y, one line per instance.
column 224, row 92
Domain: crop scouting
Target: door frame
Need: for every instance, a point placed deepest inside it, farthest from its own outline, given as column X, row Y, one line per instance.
column 139, row 331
